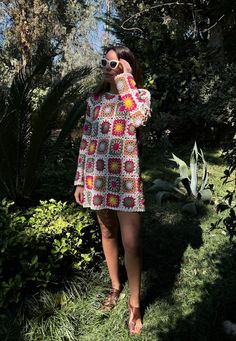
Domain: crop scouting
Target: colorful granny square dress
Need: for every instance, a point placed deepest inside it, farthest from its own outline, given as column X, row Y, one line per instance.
column 108, row 162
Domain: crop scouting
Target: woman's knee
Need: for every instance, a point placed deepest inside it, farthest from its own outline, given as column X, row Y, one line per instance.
column 132, row 247
column 131, row 243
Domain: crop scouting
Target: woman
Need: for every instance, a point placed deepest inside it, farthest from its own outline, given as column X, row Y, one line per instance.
column 108, row 173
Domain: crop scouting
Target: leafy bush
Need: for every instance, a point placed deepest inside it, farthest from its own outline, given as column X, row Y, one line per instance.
column 41, row 245
column 56, row 178
column 228, row 202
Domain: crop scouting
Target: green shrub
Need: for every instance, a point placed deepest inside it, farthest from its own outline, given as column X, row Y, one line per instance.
column 228, row 202
column 55, row 179
column 41, row 245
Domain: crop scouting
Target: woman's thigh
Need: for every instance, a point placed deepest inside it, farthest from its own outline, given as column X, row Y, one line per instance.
column 109, row 223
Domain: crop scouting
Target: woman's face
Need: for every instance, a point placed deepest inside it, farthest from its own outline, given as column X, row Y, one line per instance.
column 108, row 72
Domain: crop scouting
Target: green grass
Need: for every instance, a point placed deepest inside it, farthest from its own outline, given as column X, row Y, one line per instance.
column 188, row 277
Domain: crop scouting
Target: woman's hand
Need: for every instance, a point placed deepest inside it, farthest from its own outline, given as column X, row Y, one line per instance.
column 125, row 66
column 79, row 194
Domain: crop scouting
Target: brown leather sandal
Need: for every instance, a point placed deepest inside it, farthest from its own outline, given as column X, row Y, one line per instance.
column 134, row 315
column 111, row 299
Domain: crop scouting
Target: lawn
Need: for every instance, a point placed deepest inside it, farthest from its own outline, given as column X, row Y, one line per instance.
column 188, row 277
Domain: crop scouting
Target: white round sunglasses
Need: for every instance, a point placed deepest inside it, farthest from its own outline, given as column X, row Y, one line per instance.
column 112, row 63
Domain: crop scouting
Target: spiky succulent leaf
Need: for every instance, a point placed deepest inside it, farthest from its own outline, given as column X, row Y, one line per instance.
column 160, row 196
column 194, row 170
column 204, row 171
column 161, row 185
column 177, row 181
column 205, row 195
column 186, row 184
column 183, row 168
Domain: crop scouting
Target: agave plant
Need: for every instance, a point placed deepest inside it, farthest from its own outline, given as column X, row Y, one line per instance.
column 190, row 189
column 25, row 129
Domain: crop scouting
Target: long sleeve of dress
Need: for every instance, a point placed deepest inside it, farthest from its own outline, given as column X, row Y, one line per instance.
column 136, row 101
column 84, row 145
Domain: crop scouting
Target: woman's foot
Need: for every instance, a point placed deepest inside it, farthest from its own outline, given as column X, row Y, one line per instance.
column 111, row 299
column 135, row 323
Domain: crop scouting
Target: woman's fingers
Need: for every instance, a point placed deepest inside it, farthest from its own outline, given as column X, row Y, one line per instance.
column 79, row 195
column 125, row 65
column 77, row 198
column 121, row 66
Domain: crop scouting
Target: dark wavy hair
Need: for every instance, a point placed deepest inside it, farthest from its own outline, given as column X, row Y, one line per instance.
column 124, row 53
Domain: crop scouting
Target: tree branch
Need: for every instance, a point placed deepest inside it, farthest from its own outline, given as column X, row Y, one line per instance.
column 147, row 10
column 209, row 28
column 162, row 5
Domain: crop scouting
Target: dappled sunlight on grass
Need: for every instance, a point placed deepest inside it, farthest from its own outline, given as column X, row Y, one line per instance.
column 214, row 157
column 181, row 259
column 152, row 174
column 188, row 272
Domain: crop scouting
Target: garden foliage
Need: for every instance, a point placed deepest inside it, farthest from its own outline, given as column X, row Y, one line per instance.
column 41, row 245
column 188, row 66
column 25, row 127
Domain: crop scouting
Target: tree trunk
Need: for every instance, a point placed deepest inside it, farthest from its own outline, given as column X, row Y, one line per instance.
column 24, row 33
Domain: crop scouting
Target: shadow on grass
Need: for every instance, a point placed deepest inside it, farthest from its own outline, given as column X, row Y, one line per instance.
column 217, row 304
column 215, row 157
column 164, row 247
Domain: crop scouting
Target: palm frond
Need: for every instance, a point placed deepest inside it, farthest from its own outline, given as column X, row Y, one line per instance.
column 43, row 121
column 2, row 105
column 16, row 125
column 15, row 131
column 71, row 120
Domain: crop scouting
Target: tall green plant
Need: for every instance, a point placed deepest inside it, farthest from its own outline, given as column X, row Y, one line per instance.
column 197, row 194
column 25, row 129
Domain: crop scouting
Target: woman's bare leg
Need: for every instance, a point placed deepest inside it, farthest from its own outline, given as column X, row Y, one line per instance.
column 130, row 226
column 109, row 225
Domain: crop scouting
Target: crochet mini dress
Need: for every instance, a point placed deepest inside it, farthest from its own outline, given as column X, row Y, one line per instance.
column 108, row 164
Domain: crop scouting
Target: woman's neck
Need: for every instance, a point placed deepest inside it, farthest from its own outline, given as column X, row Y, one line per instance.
column 113, row 88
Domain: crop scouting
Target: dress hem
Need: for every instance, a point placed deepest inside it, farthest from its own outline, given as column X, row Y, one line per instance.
column 113, row 208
